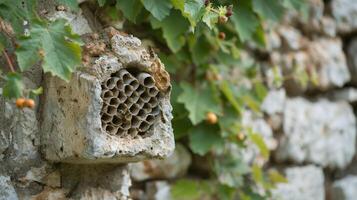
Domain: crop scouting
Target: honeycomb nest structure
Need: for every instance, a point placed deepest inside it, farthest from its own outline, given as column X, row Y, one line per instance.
column 130, row 104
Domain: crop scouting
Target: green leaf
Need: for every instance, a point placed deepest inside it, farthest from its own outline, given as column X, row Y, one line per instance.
column 101, row 2
column 194, row 10
column 251, row 103
column 200, row 49
column 258, row 140
column 35, row 92
column 72, row 4
column 178, row 4
column 276, row 177
column 130, row 8
column 295, row 4
column 230, row 169
column 226, row 193
column 61, row 48
column 198, row 102
column 158, row 8
column 257, row 174
column 185, row 189
column 269, row 9
column 227, row 92
column 245, row 20
column 203, row 138
column 16, row 12
column 210, row 19
column 260, row 91
column 173, row 27
column 13, row 86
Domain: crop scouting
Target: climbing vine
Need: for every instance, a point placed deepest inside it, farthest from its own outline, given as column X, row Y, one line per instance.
column 201, row 43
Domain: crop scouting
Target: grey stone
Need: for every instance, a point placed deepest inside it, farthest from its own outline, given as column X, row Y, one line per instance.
column 352, row 58
column 174, row 166
column 320, row 132
column 304, row 183
column 77, row 21
column 259, row 126
column 344, row 94
column 72, row 129
column 7, row 191
column 328, row 57
column 345, row 188
column 345, row 14
column 290, row 37
column 98, row 181
column 325, row 56
column 5, row 140
column 158, row 190
column 274, row 102
column 273, row 106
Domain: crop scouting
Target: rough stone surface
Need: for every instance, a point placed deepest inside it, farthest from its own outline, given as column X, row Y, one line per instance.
column 304, row 183
column 101, row 181
column 259, row 126
column 172, row 167
column 321, row 132
column 327, row 55
column 77, row 21
column 345, row 14
column 345, row 189
column 7, row 191
column 78, row 106
column 158, row 190
column 291, row 37
column 274, row 102
column 345, row 94
column 352, row 58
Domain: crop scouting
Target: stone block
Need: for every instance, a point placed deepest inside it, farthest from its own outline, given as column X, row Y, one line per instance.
column 345, row 189
column 304, row 183
column 321, row 132
column 117, row 110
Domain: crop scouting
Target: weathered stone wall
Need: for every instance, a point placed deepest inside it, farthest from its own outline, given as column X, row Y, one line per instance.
column 311, row 131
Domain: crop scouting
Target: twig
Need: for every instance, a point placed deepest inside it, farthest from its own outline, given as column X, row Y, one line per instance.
column 9, row 61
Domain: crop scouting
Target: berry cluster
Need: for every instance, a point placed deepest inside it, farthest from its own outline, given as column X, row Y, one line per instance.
column 22, row 103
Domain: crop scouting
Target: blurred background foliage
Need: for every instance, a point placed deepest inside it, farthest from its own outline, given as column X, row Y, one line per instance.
column 203, row 45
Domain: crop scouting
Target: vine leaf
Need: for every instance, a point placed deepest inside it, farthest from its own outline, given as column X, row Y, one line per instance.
column 194, row 10
column 158, row 8
column 13, row 86
column 130, row 8
column 54, row 43
column 268, row 9
column 17, row 12
column 173, row 27
column 258, row 140
column 245, row 20
column 203, row 138
column 210, row 19
column 198, row 102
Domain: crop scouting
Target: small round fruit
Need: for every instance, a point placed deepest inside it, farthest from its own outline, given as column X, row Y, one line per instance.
column 229, row 11
column 240, row 136
column 222, row 19
column 29, row 103
column 20, row 102
column 221, row 35
column 211, row 118
column 206, row 2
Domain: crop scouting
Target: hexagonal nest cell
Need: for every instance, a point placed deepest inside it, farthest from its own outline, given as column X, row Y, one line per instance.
column 130, row 104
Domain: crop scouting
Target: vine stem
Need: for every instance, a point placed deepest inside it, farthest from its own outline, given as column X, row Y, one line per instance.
column 9, row 61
